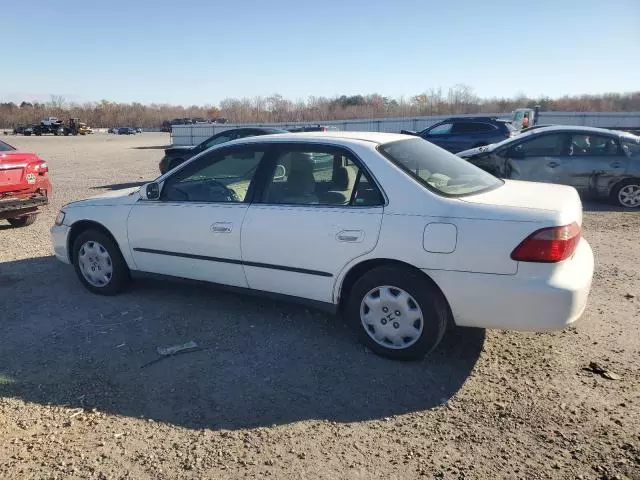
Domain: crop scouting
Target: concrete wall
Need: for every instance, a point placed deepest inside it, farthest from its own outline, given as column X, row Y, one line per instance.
column 194, row 134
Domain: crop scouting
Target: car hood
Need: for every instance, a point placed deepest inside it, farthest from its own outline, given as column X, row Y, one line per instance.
column 472, row 152
column 558, row 203
column 116, row 197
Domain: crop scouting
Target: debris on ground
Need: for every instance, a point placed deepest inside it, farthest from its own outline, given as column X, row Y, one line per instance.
column 595, row 367
column 172, row 350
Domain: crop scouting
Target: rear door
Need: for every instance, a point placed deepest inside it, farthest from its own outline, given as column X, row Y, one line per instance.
column 317, row 211
column 537, row 159
column 593, row 163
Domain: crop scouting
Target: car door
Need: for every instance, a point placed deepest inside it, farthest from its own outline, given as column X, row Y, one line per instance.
column 317, row 211
column 193, row 229
column 537, row 158
column 440, row 134
column 593, row 162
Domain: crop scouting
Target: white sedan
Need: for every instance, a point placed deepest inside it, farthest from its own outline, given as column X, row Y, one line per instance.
column 399, row 235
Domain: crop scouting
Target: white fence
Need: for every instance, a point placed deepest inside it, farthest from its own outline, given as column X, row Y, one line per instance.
column 194, row 134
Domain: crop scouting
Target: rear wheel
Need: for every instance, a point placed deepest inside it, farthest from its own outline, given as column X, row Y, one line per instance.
column 99, row 263
column 22, row 221
column 397, row 313
column 627, row 193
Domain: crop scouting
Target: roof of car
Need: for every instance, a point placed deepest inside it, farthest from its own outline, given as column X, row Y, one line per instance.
column 374, row 137
column 578, row 128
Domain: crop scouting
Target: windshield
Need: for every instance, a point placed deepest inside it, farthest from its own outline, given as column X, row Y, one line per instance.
column 438, row 170
column 5, row 147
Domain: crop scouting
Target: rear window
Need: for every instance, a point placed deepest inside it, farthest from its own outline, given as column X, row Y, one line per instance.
column 631, row 146
column 5, row 147
column 438, row 170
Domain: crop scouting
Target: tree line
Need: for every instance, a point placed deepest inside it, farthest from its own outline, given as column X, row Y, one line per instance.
column 459, row 99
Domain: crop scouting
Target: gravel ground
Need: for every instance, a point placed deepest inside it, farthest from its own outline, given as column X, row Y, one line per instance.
column 280, row 391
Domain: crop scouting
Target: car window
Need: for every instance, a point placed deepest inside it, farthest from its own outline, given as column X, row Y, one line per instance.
column 222, row 138
column 471, row 127
column 217, row 177
column 442, row 129
column 5, row 147
column 543, row 145
column 319, row 175
column 584, row 144
column 438, row 170
column 631, row 146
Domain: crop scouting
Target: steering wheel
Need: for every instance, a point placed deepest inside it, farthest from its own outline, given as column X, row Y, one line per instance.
column 218, row 188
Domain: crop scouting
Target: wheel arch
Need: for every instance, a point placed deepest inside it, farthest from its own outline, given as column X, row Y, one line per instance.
column 359, row 269
column 82, row 226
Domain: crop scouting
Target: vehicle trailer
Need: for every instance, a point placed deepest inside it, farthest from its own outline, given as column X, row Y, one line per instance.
column 25, row 187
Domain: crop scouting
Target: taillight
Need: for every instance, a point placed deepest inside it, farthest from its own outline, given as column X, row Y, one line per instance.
column 548, row 245
column 41, row 167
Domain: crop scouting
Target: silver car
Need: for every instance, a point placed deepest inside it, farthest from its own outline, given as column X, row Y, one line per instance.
column 599, row 163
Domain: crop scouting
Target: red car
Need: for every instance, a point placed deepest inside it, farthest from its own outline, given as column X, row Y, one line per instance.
column 24, row 185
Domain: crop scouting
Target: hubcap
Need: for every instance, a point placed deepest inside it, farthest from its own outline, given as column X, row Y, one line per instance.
column 391, row 317
column 629, row 195
column 95, row 264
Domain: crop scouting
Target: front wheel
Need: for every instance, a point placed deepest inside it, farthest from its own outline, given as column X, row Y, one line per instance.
column 22, row 221
column 99, row 263
column 397, row 313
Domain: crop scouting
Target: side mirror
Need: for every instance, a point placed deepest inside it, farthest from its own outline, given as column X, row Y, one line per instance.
column 150, row 191
column 515, row 153
column 280, row 172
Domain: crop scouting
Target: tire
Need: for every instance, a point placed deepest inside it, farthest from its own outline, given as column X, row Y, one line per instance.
column 22, row 221
column 424, row 335
column 626, row 194
column 92, row 244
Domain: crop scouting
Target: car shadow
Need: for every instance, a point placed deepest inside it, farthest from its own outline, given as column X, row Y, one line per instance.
column 120, row 186
column 259, row 362
column 151, row 147
column 603, row 206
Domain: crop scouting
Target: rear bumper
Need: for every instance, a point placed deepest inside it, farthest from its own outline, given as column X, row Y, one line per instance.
column 59, row 239
column 525, row 301
column 17, row 207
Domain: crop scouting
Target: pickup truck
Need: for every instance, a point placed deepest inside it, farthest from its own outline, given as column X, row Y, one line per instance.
column 25, row 187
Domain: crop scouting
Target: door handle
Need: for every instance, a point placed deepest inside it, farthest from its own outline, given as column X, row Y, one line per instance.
column 553, row 164
column 616, row 165
column 222, row 227
column 353, row 236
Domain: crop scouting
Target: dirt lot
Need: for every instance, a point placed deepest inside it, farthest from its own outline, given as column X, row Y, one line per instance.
column 283, row 392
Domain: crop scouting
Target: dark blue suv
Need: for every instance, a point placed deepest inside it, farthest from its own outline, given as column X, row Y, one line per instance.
column 458, row 134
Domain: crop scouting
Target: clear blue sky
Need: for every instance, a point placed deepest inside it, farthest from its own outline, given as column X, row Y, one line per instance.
column 197, row 52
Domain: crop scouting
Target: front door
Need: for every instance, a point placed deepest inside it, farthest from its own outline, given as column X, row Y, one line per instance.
column 537, row 160
column 441, row 135
column 317, row 211
column 193, row 230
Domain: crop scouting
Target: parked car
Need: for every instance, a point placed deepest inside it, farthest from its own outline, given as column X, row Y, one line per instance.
column 313, row 128
column 599, row 163
column 177, row 154
column 400, row 235
column 25, row 130
column 457, row 134
column 126, row 131
column 24, row 186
